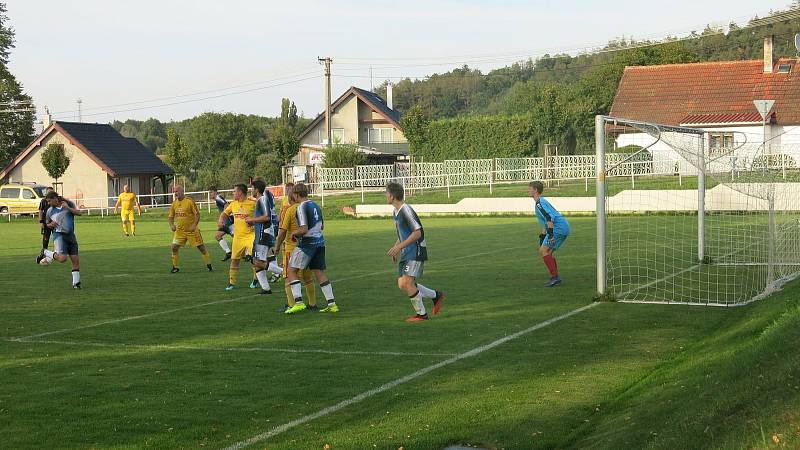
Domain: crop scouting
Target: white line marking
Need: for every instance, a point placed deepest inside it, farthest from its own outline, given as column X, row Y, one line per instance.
column 119, row 275
column 229, row 300
column 392, row 384
column 223, row 349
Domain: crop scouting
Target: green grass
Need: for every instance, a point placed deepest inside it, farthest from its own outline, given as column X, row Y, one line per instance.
column 213, row 373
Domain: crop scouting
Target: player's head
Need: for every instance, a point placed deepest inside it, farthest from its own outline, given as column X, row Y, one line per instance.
column 125, row 188
column 287, row 189
column 49, row 190
column 178, row 190
column 535, row 188
column 394, row 192
column 240, row 191
column 212, row 191
column 259, row 186
column 52, row 198
column 299, row 192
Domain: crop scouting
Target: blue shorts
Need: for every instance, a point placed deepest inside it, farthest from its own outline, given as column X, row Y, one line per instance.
column 308, row 258
column 65, row 244
column 556, row 241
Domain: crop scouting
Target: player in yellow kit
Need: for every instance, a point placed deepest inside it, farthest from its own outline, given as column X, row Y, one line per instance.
column 128, row 201
column 244, row 234
column 184, row 216
column 288, row 225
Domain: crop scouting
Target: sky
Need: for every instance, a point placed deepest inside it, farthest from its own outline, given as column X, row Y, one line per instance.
column 175, row 59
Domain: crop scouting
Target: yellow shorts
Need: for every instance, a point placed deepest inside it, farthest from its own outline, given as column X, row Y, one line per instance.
column 127, row 215
column 242, row 246
column 194, row 238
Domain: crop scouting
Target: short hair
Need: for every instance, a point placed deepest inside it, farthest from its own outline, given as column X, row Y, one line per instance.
column 241, row 187
column 50, row 189
column 259, row 185
column 288, row 183
column 213, row 188
column 51, row 195
column 301, row 190
column 396, row 190
column 537, row 185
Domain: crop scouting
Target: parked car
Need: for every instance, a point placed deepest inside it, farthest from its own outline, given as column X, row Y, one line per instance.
column 21, row 198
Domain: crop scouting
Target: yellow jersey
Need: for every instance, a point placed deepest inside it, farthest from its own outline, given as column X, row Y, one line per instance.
column 127, row 200
column 184, row 213
column 240, row 211
column 289, row 224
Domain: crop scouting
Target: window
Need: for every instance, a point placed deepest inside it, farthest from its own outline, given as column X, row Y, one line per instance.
column 9, row 193
column 28, row 194
column 380, row 135
column 337, row 134
column 784, row 68
column 720, row 143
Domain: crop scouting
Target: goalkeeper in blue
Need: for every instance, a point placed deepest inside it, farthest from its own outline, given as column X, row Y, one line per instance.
column 555, row 230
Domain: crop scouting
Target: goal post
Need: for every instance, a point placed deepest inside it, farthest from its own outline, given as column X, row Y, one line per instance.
column 717, row 223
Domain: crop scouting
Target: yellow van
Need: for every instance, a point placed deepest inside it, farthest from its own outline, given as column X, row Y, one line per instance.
column 21, row 198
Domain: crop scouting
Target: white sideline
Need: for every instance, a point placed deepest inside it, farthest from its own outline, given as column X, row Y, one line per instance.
column 224, row 349
column 383, row 388
column 229, row 300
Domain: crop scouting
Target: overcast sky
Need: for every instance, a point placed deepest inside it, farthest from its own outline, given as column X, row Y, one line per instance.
column 173, row 59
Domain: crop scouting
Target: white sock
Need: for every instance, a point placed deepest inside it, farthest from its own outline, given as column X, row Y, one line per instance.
column 48, row 255
column 416, row 302
column 76, row 277
column 275, row 268
column 297, row 289
column 224, row 245
column 327, row 291
column 426, row 292
column 261, row 275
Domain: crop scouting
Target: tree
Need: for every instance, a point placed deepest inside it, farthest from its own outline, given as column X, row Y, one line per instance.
column 343, row 155
column 55, row 160
column 415, row 127
column 177, row 152
column 16, row 125
column 285, row 143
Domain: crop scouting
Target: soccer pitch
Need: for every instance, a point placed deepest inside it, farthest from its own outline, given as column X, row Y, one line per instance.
column 144, row 358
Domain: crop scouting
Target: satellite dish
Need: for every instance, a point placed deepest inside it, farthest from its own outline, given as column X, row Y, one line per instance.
column 797, row 41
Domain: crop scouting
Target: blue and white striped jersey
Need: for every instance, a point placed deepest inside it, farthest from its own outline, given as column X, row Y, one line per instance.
column 546, row 212
column 221, row 204
column 407, row 221
column 63, row 217
column 310, row 214
column 265, row 206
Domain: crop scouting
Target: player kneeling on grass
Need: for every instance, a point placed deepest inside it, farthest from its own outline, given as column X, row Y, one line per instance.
column 556, row 230
column 412, row 252
column 60, row 218
column 241, row 208
column 184, row 217
column 288, row 225
column 310, row 251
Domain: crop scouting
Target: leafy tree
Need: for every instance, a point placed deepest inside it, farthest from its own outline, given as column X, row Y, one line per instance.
column 285, row 144
column 177, row 153
column 415, row 128
column 343, row 155
column 16, row 125
column 236, row 171
column 55, row 160
column 269, row 166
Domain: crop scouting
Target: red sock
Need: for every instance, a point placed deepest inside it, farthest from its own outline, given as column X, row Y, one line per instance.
column 550, row 262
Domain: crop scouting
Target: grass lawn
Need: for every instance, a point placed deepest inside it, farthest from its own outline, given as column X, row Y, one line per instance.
column 141, row 358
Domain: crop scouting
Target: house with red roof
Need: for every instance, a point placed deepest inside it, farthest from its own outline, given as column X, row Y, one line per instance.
column 716, row 97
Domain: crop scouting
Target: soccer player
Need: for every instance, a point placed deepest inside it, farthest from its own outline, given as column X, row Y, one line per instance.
column 184, row 216
column 412, row 252
column 128, row 200
column 43, row 207
column 61, row 219
column 310, row 251
column 221, row 203
column 264, row 239
column 240, row 209
column 556, row 230
column 288, row 225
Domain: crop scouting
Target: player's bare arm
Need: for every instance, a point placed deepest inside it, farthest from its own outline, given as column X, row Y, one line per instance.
column 300, row 231
column 171, row 221
column 116, row 205
column 74, row 211
column 398, row 247
column 193, row 226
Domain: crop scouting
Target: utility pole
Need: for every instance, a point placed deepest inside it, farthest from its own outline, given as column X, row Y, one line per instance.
column 327, row 61
column 80, row 116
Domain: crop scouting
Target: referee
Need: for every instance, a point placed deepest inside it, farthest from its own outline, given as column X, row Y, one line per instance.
column 43, row 207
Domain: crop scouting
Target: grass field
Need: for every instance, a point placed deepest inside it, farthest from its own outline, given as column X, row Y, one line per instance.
column 141, row 358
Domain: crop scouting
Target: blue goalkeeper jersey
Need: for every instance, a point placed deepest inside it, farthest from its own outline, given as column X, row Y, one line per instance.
column 545, row 212
column 63, row 218
column 407, row 222
column 310, row 214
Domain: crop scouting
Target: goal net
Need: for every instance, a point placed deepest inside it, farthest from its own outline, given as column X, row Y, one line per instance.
column 721, row 228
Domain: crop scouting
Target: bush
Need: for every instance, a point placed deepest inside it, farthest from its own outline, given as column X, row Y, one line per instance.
column 343, row 155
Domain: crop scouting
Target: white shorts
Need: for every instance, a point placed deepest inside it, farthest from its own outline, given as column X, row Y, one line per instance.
column 260, row 252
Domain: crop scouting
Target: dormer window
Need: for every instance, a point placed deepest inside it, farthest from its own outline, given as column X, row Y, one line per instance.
column 784, row 68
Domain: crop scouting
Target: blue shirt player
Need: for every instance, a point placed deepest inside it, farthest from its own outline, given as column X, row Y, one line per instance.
column 412, row 251
column 221, row 203
column 60, row 218
column 310, row 251
column 555, row 230
column 264, row 246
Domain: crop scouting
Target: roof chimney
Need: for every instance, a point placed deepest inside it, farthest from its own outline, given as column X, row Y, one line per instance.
column 47, row 117
column 768, row 61
column 389, row 95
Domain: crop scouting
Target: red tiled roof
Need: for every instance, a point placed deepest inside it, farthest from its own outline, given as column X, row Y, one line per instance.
column 748, row 117
column 671, row 94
